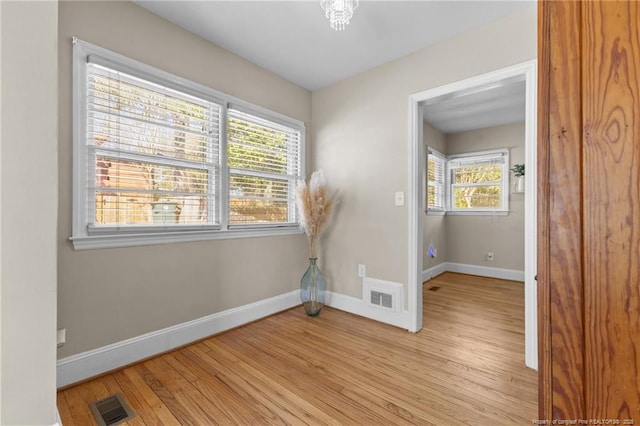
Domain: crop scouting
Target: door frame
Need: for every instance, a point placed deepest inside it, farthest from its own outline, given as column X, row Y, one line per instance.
column 417, row 161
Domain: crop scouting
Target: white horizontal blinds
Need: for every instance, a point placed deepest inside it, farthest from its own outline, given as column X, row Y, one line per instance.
column 152, row 153
column 264, row 165
column 477, row 182
column 436, row 165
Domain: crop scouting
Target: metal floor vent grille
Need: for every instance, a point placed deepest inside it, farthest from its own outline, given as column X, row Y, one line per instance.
column 434, row 288
column 111, row 410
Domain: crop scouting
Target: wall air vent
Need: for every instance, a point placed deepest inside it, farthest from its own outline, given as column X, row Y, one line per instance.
column 383, row 300
column 111, row 410
column 386, row 295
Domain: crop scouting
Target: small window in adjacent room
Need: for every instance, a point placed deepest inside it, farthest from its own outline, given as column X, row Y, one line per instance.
column 436, row 165
column 470, row 183
column 479, row 182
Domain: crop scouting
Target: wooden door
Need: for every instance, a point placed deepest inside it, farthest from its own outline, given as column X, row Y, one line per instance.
column 589, row 210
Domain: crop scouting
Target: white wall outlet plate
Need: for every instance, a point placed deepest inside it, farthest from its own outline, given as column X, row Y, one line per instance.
column 362, row 270
column 400, row 198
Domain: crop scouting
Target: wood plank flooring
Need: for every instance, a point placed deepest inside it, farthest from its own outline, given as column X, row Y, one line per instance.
column 465, row 367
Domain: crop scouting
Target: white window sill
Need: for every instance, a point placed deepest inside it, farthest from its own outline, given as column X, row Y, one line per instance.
column 467, row 213
column 150, row 238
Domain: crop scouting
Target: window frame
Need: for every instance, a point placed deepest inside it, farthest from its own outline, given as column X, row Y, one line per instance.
column 84, row 237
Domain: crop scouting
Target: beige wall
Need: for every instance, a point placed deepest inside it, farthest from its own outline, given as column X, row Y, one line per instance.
column 434, row 225
column 470, row 237
column 108, row 295
column 28, row 176
column 433, row 138
column 360, row 140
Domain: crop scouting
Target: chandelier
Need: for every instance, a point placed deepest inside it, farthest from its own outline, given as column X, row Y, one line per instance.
column 338, row 12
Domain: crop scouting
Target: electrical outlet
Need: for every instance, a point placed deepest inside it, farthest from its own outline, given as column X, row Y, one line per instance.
column 62, row 337
column 435, row 252
column 362, row 270
column 490, row 256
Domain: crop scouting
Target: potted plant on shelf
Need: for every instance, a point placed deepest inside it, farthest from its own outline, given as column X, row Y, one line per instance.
column 518, row 171
column 315, row 206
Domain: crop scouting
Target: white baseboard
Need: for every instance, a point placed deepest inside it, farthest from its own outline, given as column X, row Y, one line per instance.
column 97, row 361
column 486, row 271
column 483, row 271
column 58, row 419
column 434, row 271
column 356, row 306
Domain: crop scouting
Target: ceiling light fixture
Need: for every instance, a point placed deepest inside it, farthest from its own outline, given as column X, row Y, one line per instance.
column 338, row 12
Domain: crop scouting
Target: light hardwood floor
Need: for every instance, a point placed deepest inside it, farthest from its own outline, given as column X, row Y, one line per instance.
column 466, row 366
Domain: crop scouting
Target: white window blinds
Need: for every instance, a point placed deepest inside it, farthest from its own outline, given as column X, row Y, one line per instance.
column 436, row 165
column 160, row 159
column 264, row 160
column 153, row 152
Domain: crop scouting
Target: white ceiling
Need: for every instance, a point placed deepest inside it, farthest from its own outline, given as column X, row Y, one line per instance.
column 294, row 40
column 484, row 106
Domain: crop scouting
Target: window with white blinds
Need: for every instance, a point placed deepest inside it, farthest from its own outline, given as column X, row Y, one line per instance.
column 264, row 167
column 479, row 181
column 436, row 165
column 153, row 153
column 158, row 158
column 470, row 183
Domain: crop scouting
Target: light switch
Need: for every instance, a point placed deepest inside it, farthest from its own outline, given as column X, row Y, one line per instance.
column 399, row 198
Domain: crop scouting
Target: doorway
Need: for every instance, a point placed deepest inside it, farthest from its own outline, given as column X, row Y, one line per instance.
column 417, row 164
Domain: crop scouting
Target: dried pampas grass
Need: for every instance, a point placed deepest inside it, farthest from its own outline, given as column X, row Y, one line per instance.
column 315, row 206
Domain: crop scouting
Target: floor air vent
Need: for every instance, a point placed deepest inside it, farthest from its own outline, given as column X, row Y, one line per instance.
column 111, row 410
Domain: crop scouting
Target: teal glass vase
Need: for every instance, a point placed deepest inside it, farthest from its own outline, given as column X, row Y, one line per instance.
column 312, row 289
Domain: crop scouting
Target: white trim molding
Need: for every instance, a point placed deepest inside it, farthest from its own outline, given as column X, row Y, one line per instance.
column 58, row 419
column 434, row 271
column 483, row 271
column 486, row 271
column 88, row 364
column 358, row 307
column 134, row 240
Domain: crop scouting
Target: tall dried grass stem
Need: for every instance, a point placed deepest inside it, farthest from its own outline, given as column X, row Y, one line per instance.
column 315, row 206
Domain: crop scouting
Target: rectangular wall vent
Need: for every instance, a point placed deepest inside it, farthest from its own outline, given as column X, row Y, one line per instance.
column 111, row 410
column 382, row 294
column 383, row 300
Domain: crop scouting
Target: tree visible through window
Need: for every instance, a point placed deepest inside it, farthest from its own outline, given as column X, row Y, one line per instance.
column 153, row 152
column 475, row 181
column 477, row 186
column 262, row 159
column 479, row 181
